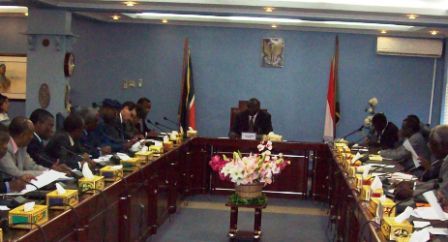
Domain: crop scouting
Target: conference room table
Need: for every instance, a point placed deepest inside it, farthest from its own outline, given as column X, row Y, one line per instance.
column 133, row 208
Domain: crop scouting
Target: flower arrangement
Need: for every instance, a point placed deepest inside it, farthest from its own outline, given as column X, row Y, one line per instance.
column 252, row 169
column 370, row 110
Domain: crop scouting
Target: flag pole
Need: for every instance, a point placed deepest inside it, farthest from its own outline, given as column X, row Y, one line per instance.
column 183, row 81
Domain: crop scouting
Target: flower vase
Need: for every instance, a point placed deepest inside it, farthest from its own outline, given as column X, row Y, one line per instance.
column 249, row 191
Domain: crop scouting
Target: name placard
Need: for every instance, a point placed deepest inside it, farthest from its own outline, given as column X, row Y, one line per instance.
column 248, row 136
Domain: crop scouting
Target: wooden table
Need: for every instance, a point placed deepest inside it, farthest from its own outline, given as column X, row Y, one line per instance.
column 234, row 233
column 133, row 208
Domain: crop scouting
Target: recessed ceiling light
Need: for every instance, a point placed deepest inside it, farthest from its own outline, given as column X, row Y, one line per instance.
column 433, row 32
column 116, row 17
column 384, row 31
column 130, row 3
column 269, row 9
column 26, row 14
column 164, row 21
column 412, row 16
column 268, row 21
column 274, row 26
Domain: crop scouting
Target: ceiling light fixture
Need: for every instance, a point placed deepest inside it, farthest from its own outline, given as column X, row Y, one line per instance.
column 269, row 9
column 384, row 31
column 266, row 20
column 412, row 16
column 26, row 14
column 433, row 32
column 116, row 17
column 164, row 21
column 274, row 26
column 130, row 3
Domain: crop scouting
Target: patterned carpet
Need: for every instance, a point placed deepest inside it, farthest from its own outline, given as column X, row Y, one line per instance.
column 205, row 218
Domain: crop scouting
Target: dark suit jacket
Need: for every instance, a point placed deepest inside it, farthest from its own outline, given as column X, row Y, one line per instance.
column 36, row 149
column 55, row 151
column 262, row 124
column 112, row 134
column 387, row 140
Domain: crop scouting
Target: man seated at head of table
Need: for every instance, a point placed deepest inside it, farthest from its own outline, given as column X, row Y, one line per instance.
column 64, row 146
column 410, row 130
column 251, row 120
column 16, row 184
column 437, row 172
column 17, row 162
column 385, row 135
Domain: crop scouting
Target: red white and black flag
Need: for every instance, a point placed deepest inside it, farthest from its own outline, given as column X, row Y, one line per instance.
column 332, row 113
column 187, row 107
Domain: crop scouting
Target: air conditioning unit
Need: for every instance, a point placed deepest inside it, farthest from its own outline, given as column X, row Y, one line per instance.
column 409, row 47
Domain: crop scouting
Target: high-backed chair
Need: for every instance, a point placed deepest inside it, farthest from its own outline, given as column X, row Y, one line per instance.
column 242, row 105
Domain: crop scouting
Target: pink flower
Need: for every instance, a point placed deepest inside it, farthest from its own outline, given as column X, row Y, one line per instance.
column 216, row 163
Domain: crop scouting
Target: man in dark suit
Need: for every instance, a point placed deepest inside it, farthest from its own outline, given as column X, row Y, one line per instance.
column 386, row 133
column 251, row 120
column 91, row 136
column 65, row 147
column 115, row 121
column 43, row 130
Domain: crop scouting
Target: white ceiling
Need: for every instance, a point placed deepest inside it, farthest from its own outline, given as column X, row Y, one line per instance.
column 361, row 16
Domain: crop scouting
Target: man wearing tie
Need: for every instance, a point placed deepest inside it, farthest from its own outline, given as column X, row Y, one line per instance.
column 251, row 120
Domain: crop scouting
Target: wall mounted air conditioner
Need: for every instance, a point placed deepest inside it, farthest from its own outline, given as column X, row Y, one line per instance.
column 409, row 47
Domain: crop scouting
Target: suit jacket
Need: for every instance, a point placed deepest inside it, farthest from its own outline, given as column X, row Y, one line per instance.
column 91, row 142
column 442, row 180
column 112, row 134
column 18, row 162
column 59, row 147
column 262, row 124
column 400, row 154
column 36, row 150
column 387, row 139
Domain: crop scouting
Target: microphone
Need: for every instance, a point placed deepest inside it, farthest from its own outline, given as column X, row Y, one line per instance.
column 435, row 186
column 155, row 126
column 166, row 127
column 353, row 132
column 171, row 121
column 72, row 152
column 17, row 177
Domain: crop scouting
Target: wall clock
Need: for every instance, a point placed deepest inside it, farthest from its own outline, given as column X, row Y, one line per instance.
column 69, row 64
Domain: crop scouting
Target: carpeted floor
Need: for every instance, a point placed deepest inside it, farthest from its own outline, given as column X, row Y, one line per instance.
column 204, row 218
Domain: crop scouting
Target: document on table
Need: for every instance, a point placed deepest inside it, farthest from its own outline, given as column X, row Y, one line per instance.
column 42, row 180
column 407, row 145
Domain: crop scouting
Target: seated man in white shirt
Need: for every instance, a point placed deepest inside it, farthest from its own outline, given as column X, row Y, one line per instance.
column 17, row 162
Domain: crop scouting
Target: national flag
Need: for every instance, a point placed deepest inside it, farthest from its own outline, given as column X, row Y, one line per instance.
column 187, row 107
column 332, row 113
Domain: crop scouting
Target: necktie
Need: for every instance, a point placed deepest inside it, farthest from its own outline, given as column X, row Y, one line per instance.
column 251, row 124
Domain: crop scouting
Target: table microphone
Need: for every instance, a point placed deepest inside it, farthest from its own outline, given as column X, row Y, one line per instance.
column 18, row 177
column 353, row 132
column 171, row 121
column 155, row 126
column 75, row 174
column 433, row 187
column 165, row 126
column 72, row 152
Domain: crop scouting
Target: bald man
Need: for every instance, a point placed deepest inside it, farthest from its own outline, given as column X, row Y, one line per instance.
column 17, row 162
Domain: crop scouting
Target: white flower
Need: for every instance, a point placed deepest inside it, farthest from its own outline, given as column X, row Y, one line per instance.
column 260, row 147
column 373, row 101
column 368, row 121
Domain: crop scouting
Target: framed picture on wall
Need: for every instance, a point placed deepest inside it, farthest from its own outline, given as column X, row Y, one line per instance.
column 13, row 76
column 273, row 52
